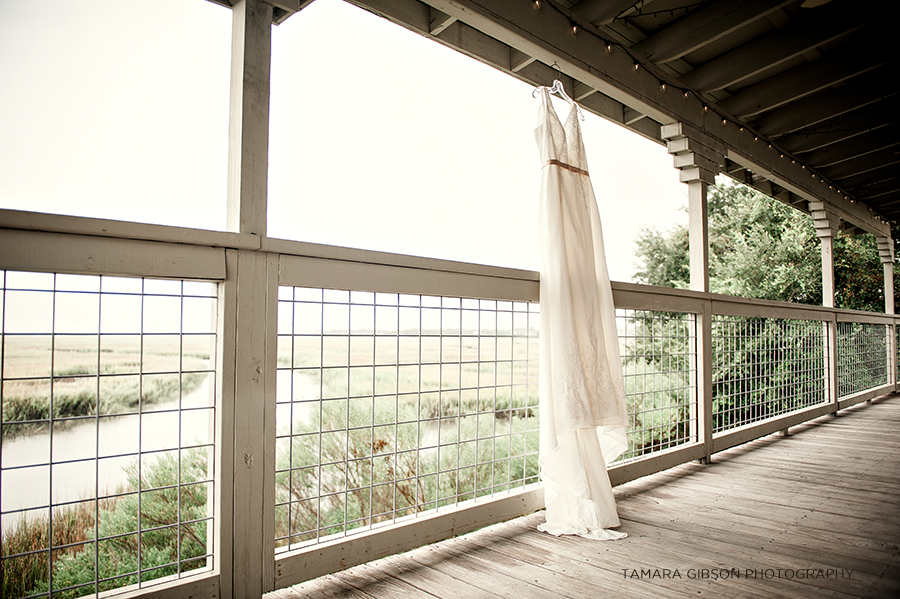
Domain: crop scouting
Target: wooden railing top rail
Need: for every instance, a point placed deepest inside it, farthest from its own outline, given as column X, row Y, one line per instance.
column 627, row 295
column 649, row 297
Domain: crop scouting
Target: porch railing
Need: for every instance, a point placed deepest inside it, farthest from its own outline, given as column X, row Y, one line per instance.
column 399, row 398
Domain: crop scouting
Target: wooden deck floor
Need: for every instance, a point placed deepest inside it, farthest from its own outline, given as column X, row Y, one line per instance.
column 823, row 503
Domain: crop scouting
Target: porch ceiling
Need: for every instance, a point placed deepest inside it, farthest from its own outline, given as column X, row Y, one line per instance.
column 802, row 93
column 817, row 78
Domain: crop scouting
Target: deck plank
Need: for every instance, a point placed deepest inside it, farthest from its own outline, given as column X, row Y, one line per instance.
column 825, row 497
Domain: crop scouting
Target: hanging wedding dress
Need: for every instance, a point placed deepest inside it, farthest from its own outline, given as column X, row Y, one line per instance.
column 583, row 414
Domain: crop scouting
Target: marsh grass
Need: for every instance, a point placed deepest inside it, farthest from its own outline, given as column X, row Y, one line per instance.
column 394, row 426
column 83, row 376
column 72, row 526
column 75, row 528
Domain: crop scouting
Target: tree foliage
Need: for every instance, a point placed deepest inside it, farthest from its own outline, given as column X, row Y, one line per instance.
column 761, row 248
column 762, row 367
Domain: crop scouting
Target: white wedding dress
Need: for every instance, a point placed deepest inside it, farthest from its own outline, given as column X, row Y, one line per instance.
column 583, row 414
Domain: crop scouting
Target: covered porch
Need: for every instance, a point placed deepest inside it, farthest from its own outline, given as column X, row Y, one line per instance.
column 812, row 514
column 348, row 405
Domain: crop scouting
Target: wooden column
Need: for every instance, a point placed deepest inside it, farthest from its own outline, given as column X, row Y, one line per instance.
column 248, row 337
column 698, row 157
column 886, row 251
column 248, row 128
column 698, row 235
column 827, row 225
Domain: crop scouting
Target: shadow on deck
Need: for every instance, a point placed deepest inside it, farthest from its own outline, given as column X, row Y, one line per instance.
column 814, row 514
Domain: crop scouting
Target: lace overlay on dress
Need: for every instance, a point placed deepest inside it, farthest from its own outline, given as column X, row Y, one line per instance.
column 582, row 402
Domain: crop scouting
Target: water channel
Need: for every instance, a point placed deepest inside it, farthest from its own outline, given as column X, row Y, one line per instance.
column 90, row 455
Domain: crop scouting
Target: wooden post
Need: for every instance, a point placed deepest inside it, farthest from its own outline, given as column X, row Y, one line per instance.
column 252, row 283
column 704, row 380
column 827, row 271
column 827, row 225
column 699, row 158
column 251, row 289
column 248, row 128
column 225, row 417
column 886, row 251
column 698, row 233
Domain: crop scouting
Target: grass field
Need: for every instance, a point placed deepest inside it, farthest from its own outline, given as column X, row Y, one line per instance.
column 86, row 375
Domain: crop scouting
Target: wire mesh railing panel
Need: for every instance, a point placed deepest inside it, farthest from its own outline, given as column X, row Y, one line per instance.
column 108, row 438
column 659, row 368
column 392, row 405
column 862, row 357
column 765, row 367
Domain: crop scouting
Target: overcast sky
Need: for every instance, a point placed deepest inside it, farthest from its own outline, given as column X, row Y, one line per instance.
column 379, row 138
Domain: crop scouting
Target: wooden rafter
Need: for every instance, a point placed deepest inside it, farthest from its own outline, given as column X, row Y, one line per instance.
column 802, row 81
column 600, row 12
column 871, row 177
column 771, row 49
column 840, row 129
column 863, row 91
column 702, row 27
column 861, row 145
column 863, row 164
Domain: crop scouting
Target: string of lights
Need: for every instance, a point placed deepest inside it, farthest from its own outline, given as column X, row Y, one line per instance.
column 838, row 127
column 666, row 85
column 670, row 11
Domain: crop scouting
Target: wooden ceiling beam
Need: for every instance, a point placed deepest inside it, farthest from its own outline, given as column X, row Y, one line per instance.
column 878, row 192
column 890, row 184
column 518, row 60
column 879, row 139
column 858, row 183
column 831, row 132
column 802, row 81
column 863, row 164
column 601, row 12
column 773, row 48
column 702, row 27
column 857, row 93
column 889, row 201
column 439, row 21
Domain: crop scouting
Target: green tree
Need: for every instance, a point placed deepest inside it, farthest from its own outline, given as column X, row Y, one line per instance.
column 761, row 248
column 764, row 249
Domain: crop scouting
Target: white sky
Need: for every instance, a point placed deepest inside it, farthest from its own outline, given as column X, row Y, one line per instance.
column 379, row 138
